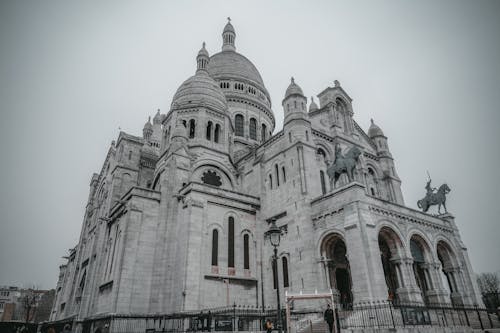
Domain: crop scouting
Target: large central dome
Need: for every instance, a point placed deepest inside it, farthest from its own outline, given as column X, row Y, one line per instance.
column 232, row 65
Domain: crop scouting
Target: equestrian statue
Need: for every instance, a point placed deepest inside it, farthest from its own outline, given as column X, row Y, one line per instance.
column 434, row 198
column 343, row 164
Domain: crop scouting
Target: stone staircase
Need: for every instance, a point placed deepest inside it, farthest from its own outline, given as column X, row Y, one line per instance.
column 314, row 326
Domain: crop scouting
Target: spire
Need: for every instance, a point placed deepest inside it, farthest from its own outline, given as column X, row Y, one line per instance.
column 313, row 106
column 228, row 37
column 202, row 60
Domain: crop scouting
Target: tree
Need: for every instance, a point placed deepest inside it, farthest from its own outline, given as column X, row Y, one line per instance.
column 489, row 284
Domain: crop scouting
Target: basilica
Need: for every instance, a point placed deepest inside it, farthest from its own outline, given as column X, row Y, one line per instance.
column 176, row 218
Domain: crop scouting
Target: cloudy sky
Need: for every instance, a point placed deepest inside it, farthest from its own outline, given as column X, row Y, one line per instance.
column 73, row 72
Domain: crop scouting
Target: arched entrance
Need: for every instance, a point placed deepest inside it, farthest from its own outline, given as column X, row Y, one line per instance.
column 390, row 247
column 334, row 251
column 450, row 271
column 420, row 253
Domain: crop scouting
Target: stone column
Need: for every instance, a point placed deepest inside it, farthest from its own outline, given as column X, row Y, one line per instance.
column 408, row 290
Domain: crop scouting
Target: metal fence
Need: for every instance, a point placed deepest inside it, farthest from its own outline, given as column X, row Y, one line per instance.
column 378, row 315
column 398, row 315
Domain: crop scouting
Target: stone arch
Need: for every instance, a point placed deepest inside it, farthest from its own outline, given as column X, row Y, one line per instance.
column 421, row 253
column 372, row 177
column 450, row 269
column 320, row 144
column 201, row 166
column 333, row 251
column 392, row 249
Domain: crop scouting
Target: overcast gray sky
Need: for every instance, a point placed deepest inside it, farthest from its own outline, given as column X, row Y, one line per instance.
column 73, row 72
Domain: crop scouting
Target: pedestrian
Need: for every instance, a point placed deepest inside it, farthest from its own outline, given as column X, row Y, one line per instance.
column 328, row 316
column 269, row 325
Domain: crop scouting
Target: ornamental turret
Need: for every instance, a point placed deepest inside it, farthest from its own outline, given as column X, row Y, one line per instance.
column 294, row 103
column 389, row 175
column 313, row 106
column 202, row 60
column 296, row 124
column 147, row 131
column 228, row 37
column 377, row 135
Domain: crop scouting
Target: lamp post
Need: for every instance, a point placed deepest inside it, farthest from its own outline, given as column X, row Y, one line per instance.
column 274, row 234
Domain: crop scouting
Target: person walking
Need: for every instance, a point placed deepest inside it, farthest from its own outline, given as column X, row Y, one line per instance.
column 328, row 316
column 269, row 326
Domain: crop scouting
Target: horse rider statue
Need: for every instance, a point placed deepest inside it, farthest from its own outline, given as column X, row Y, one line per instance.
column 430, row 190
column 343, row 164
column 434, row 198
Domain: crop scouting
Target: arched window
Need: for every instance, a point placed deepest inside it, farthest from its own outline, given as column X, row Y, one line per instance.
column 372, row 182
column 192, row 128
column 263, row 132
column 209, row 131
column 270, row 182
column 285, row 272
column 322, row 178
column 215, row 247
column 253, row 129
column 246, row 254
column 217, row 133
column 277, row 175
column 284, row 174
column 238, row 125
column 230, row 243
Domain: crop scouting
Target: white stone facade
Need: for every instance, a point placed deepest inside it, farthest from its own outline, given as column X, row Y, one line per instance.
column 176, row 218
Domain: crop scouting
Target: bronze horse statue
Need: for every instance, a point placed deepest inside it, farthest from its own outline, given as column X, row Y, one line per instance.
column 438, row 198
column 343, row 164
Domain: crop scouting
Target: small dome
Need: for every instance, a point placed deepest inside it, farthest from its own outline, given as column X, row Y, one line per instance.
column 200, row 89
column 229, row 27
column 374, row 130
column 313, row 106
column 148, row 124
column 157, row 118
column 203, row 51
column 293, row 89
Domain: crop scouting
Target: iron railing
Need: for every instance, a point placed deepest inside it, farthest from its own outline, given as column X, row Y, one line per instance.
column 374, row 315
column 386, row 314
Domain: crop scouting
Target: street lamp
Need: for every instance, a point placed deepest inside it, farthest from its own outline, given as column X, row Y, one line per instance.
column 274, row 234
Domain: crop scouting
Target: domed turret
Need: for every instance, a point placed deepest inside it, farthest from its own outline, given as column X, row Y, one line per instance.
column 157, row 118
column 374, row 130
column 294, row 102
column 228, row 37
column 147, row 131
column 293, row 89
column 202, row 59
column 313, row 106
